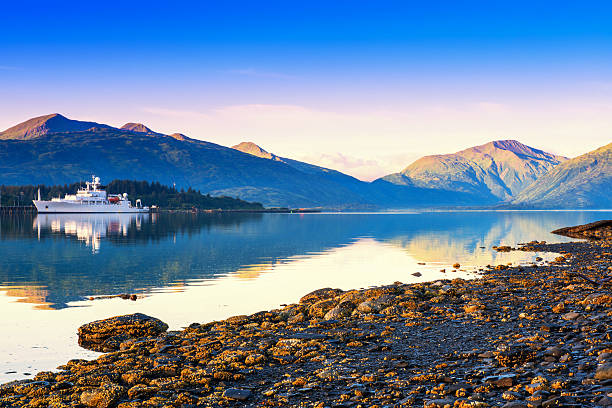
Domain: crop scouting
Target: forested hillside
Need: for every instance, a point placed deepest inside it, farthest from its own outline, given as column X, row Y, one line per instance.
column 150, row 194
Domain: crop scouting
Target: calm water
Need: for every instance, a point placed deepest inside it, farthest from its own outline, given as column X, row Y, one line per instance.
column 196, row 268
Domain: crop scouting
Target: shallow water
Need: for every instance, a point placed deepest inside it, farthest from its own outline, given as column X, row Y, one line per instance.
column 196, row 268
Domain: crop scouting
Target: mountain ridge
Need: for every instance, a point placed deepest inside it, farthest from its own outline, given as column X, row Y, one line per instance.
column 582, row 182
column 43, row 150
column 494, row 171
column 42, row 125
column 57, row 155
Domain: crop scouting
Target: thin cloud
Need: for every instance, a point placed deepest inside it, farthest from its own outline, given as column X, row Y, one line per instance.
column 366, row 169
column 9, row 68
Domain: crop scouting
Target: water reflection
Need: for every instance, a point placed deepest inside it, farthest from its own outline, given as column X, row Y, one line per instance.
column 90, row 229
column 469, row 236
column 197, row 268
column 52, row 260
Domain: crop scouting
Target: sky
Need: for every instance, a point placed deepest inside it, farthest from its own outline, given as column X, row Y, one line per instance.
column 364, row 87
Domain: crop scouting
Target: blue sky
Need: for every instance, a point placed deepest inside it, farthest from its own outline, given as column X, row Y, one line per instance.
column 365, row 87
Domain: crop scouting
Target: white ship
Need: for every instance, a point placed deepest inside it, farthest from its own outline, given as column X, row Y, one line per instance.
column 91, row 199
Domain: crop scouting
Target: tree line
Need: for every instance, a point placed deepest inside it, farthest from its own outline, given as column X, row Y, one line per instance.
column 149, row 193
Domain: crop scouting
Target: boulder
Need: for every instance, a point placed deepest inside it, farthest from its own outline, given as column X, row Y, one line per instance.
column 368, row 307
column 320, row 294
column 320, row 308
column 106, row 335
column 343, row 309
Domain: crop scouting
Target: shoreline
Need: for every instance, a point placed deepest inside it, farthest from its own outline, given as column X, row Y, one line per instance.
column 517, row 336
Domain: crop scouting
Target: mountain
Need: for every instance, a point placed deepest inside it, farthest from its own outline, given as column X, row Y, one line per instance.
column 379, row 194
column 582, row 182
column 42, row 125
column 140, row 128
column 255, row 150
column 367, row 195
column 252, row 149
column 65, row 151
column 136, row 127
column 53, row 149
column 492, row 172
column 178, row 136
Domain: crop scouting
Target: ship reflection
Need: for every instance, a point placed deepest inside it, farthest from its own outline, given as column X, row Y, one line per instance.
column 90, row 229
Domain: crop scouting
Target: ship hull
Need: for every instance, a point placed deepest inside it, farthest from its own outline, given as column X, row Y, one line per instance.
column 56, row 207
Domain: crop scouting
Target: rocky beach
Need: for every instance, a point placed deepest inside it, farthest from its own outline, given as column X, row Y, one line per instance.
column 518, row 336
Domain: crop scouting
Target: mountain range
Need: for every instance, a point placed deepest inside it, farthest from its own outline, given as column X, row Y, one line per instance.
column 53, row 149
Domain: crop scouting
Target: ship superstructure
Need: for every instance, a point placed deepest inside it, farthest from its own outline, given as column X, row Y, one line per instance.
column 91, row 199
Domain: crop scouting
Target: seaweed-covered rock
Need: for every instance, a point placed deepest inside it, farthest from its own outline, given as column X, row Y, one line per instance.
column 604, row 372
column 368, row 307
column 320, row 308
column 106, row 335
column 343, row 309
column 320, row 294
column 595, row 230
column 104, row 397
column 514, row 355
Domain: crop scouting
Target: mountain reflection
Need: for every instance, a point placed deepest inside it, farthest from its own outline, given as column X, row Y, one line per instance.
column 51, row 260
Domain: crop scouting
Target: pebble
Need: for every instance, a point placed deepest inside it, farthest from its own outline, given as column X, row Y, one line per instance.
column 571, row 316
column 237, row 394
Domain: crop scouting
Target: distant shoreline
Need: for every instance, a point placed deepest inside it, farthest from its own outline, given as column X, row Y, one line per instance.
column 32, row 210
column 262, row 211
